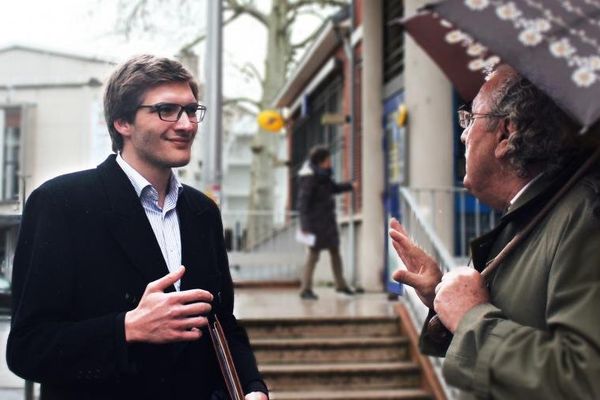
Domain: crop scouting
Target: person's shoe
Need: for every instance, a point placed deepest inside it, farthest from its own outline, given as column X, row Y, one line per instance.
column 308, row 295
column 346, row 290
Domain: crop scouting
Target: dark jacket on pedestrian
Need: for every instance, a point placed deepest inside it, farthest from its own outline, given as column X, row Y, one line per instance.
column 316, row 204
column 85, row 254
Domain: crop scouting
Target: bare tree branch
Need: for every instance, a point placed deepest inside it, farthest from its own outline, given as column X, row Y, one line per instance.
column 252, row 71
column 200, row 38
column 136, row 12
column 248, row 8
column 237, row 100
column 306, row 40
column 322, row 3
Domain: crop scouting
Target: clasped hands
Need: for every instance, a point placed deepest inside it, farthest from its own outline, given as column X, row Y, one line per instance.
column 451, row 295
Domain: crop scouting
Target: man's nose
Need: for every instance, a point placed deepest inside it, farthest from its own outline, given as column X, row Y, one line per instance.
column 184, row 122
column 464, row 134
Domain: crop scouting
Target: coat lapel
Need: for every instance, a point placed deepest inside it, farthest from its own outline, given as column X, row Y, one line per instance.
column 128, row 223
column 487, row 246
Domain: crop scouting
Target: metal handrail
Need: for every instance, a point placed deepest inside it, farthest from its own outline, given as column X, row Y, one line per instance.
column 442, row 254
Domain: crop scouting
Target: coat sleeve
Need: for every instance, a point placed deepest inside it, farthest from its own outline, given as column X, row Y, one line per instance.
column 495, row 357
column 340, row 187
column 46, row 343
column 306, row 187
column 237, row 337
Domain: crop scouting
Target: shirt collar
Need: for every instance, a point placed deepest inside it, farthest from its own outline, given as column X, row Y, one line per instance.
column 140, row 183
column 524, row 188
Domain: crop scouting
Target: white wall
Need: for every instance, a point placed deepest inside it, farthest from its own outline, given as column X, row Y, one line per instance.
column 66, row 130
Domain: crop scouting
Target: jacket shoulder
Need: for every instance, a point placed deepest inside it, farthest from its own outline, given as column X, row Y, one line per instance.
column 199, row 200
column 71, row 182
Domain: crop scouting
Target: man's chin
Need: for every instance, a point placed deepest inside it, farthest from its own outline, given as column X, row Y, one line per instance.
column 180, row 163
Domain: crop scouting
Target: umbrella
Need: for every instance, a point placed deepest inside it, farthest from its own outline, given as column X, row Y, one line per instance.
column 553, row 43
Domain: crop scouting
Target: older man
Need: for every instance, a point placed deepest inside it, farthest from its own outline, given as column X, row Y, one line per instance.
column 532, row 329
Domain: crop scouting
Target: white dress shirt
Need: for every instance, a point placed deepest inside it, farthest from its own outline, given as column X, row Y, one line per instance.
column 164, row 221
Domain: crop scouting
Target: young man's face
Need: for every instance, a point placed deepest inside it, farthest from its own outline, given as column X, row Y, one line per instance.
column 150, row 142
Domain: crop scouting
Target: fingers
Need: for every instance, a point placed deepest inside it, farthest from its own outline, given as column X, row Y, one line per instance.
column 407, row 277
column 194, row 309
column 192, row 296
column 397, row 226
column 190, row 324
column 160, row 285
column 408, row 252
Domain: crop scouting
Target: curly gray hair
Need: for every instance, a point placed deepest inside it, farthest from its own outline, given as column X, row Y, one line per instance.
column 546, row 137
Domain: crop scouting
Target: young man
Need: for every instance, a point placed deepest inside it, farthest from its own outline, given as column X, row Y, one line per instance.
column 103, row 305
column 316, row 205
column 530, row 331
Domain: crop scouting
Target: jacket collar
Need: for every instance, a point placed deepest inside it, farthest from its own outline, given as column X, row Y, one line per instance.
column 517, row 215
column 128, row 223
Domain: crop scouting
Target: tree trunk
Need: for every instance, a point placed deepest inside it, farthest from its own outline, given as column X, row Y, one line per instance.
column 264, row 145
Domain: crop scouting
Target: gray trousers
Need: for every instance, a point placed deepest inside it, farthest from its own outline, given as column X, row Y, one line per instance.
column 336, row 266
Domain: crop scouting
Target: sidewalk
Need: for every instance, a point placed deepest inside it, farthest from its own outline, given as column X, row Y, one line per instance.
column 286, row 303
column 249, row 303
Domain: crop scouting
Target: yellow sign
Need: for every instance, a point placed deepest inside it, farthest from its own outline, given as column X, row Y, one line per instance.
column 270, row 120
column 401, row 115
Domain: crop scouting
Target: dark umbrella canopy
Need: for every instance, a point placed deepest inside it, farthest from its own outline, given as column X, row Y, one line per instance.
column 554, row 43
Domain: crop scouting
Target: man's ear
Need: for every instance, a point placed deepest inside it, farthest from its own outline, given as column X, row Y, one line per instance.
column 123, row 127
column 505, row 131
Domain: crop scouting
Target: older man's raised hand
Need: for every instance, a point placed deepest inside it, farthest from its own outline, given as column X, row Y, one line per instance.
column 422, row 272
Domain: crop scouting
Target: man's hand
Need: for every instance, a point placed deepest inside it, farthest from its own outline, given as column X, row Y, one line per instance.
column 459, row 291
column 256, row 396
column 422, row 272
column 168, row 317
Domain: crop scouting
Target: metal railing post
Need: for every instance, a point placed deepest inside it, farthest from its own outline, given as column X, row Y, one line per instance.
column 29, row 395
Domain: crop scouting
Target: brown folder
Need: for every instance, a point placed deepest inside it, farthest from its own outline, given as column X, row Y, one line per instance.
column 219, row 341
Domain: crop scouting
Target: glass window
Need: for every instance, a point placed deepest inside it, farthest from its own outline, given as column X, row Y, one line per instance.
column 10, row 148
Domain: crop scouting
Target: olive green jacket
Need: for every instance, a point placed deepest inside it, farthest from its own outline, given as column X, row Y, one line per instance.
column 539, row 337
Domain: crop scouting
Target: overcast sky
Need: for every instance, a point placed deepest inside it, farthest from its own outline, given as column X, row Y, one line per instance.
column 87, row 27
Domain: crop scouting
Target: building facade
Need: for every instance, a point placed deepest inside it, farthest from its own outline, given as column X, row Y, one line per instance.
column 51, row 122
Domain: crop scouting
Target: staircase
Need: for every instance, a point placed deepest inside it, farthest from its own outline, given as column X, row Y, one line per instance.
column 323, row 358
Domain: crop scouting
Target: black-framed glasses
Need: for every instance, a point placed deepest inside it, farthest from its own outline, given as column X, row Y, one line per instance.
column 171, row 112
column 466, row 117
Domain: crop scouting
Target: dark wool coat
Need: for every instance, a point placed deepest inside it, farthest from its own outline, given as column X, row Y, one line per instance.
column 316, row 205
column 86, row 252
column 539, row 336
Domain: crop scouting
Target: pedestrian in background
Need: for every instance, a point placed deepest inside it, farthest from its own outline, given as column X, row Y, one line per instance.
column 316, row 205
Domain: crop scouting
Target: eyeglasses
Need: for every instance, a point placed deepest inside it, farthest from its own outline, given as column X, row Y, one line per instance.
column 466, row 118
column 171, row 112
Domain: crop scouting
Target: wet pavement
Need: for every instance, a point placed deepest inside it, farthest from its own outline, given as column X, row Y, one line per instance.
column 249, row 304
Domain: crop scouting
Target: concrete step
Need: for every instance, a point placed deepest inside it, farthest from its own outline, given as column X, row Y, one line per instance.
column 330, row 349
column 375, row 326
column 376, row 394
column 346, row 376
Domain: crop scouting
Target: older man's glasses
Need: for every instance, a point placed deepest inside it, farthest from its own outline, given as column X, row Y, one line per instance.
column 466, row 118
column 171, row 112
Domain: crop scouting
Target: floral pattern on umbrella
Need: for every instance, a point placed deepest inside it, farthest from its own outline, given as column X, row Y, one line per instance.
column 554, row 43
column 536, row 31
